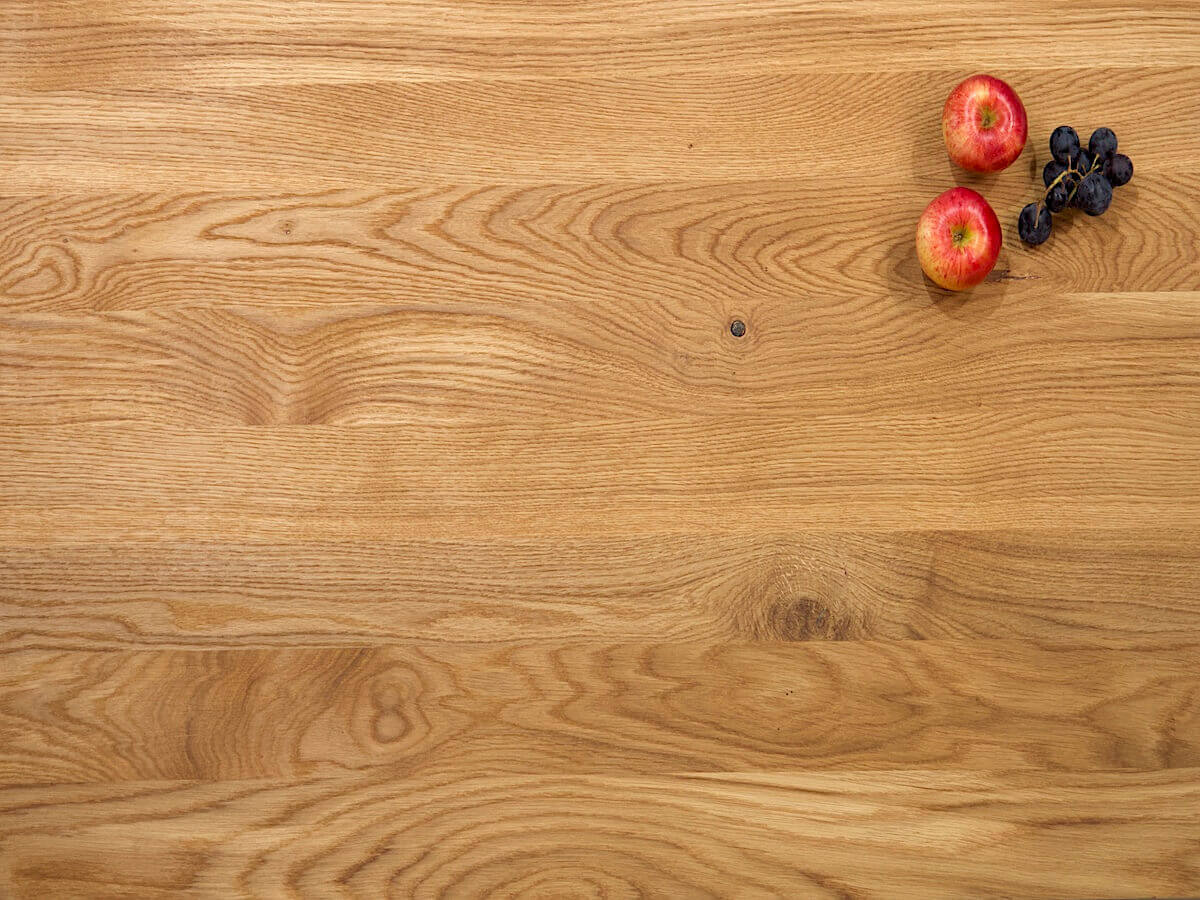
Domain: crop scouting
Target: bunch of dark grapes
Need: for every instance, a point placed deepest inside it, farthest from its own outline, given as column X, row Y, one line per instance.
column 1082, row 177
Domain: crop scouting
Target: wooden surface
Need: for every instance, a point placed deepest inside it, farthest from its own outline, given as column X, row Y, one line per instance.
column 387, row 510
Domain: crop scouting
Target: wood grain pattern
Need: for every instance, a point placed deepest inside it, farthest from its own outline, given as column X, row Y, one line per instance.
column 1105, row 588
column 590, row 708
column 693, row 125
column 1138, row 353
column 696, row 476
column 59, row 44
column 573, row 304
column 746, row 243
column 921, row 833
column 386, row 508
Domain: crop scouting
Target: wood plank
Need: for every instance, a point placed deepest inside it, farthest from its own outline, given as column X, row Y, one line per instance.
column 432, row 362
column 1039, row 468
column 388, row 510
column 68, row 717
column 711, row 126
column 1100, row 587
column 59, row 44
column 686, row 248
column 893, row 834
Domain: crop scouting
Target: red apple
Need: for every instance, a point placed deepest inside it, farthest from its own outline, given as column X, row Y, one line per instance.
column 984, row 124
column 958, row 239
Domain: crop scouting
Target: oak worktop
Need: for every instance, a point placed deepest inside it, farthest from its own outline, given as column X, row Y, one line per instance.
column 389, row 505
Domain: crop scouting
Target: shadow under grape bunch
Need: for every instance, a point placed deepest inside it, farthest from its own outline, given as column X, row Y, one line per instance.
column 1079, row 177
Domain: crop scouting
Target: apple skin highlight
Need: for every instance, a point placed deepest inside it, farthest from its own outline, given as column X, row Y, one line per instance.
column 958, row 239
column 984, row 124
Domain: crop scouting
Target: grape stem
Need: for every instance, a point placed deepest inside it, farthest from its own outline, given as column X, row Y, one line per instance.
column 1069, row 170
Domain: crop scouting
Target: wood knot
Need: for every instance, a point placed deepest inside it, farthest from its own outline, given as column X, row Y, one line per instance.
column 806, row 618
column 787, row 600
column 389, row 724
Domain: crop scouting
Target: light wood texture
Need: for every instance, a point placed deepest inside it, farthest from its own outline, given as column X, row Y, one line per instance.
column 387, row 510
column 920, row 833
column 536, row 708
column 697, row 475
column 62, row 44
column 691, row 125
column 1103, row 587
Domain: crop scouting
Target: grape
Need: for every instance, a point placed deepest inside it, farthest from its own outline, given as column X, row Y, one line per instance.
column 1034, row 223
column 1118, row 169
column 1056, row 198
column 1051, row 171
column 1064, row 143
column 1103, row 143
column 1094, row 194
column 1081, row 177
